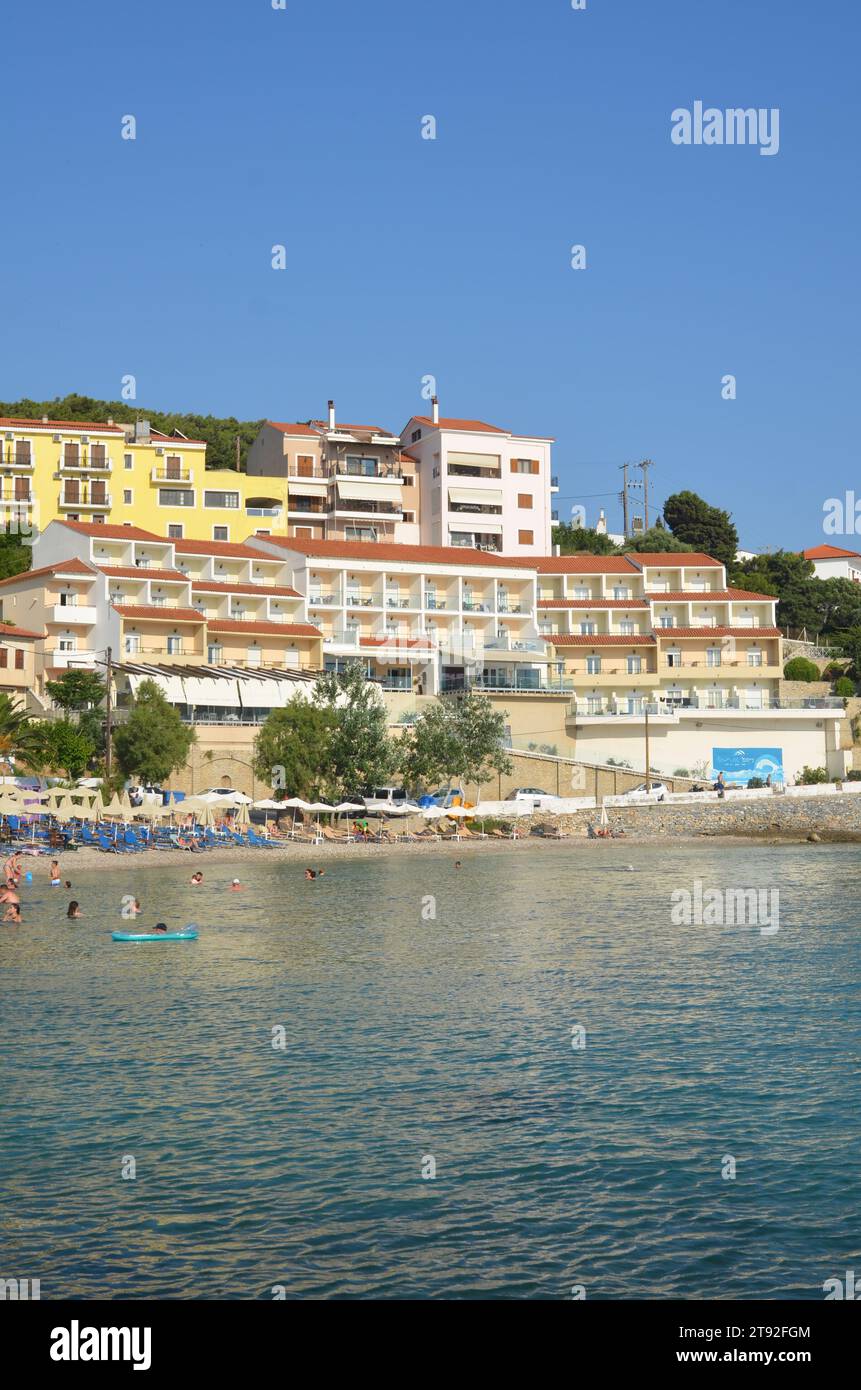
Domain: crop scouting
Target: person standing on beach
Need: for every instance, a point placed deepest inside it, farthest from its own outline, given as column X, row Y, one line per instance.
column 55, row 873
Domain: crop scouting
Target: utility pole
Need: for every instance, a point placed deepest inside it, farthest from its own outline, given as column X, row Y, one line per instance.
column 648, row 760
column 624, row 496
column 108, row 678
column 646, row 465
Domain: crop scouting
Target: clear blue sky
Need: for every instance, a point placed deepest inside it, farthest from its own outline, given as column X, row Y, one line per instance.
column 451, row 257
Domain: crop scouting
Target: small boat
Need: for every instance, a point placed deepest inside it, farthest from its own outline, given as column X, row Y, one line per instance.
column 189, row 934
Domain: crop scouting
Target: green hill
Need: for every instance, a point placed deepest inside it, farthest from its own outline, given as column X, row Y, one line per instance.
column 219, row 433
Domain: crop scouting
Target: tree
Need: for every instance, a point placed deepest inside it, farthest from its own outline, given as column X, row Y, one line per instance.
column 701, row 526
column 791, row 578
column 292, row 749
column 153, row 742
column 60, row 746
column 76, row 690
column 19, row 738
column 461, row 736
column 798, row 668
column 579, row 540
column 15, row 556
column 361, row 753
column 656, row 540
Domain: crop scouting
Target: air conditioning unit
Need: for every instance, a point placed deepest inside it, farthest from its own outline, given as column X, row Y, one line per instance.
column 85, row 439
column 58, row 439
column 159, row 453
column 10, row 435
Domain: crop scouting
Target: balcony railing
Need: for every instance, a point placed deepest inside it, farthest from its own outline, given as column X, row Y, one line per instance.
column 171, row 475
column 670, row 708
column 359, row 505
column 85, row 463
column 342, row 469
column 85, row 499
column 9, row 459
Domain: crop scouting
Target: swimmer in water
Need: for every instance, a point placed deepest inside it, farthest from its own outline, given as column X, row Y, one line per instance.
column 13, row 912
column 74, row 910
column 197, row 878
column 68, row 883
column 160, row 926
column 314, row 873
column 235, row 886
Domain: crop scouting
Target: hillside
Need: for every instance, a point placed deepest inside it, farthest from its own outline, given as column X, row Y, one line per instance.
column 219, row 433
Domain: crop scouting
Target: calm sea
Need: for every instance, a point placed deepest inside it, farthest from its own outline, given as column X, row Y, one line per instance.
column 414, row 1042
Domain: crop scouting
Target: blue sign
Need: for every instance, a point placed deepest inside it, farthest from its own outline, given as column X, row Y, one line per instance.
column 740, row 764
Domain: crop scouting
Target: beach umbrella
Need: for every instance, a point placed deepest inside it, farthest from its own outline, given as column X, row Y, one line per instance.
column 266, row 803
column 295, row 803
column 344, row 806
column 432, row 812
column 114, row 806
column 320, row 806
column 126, row 803
column 242, row 817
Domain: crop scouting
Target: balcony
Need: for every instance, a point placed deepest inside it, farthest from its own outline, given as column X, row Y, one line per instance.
column 171, row 475
column 520, row 646
column 76, row 501
column 355, row 506
column 327, row 599
column 84, row 463
column 341, row 468
column 71, row 614
column 263, row 511
column 22, row 500
column 477, row 541
column 315, row 470
column 696, row 706
column 81, row 658
column 296, row 508
column 554, row 484
column 20, row 462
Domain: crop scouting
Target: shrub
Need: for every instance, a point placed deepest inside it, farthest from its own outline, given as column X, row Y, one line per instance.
column 810, row 776
column 800, row 669
column 854, row 775
column 834, row 670
column 755, row 782
column 844, row 686
column 681, row 772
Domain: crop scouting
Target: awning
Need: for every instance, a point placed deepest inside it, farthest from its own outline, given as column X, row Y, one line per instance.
column 262, row 694
column 307, row 487
column 202, row 690
column 475, row 523
column 476, row 497
column 368, row 490
column 170, row 686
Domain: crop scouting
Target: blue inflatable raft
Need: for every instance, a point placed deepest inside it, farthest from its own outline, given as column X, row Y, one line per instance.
column 190, row 934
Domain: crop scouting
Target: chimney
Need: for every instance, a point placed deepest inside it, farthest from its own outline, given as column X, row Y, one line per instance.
column 44, row 419
column 601, row 524
column 331, row 415
column 435, row 404
column 142, row 430
column 110, row 420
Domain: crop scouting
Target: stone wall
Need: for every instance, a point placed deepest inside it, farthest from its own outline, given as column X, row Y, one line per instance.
column 833, row 817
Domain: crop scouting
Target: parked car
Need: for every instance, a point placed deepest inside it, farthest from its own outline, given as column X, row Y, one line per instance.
column 541, row 800
column 652, row 791
column 382, row 799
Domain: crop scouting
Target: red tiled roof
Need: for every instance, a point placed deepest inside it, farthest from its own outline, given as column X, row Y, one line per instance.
column 171, row 615
column 9, row 630
column 108, row 532
column 58, row 426
column 385, row 551
column 672, row 632
column 353, row 429
column 238, row 550
column 259, row 590
column 707, row 595
column 578, row 564
column 645, row 559
column 447, row 422
column 394, row 641
column 74, row 566
column 303, row 430
column 597, row 639
column 252, row 625
column 830, row 552
column 592, row 603
column 139, row 572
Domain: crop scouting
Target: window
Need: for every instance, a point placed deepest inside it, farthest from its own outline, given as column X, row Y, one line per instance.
column 754, row 657
column 524, row 465
column 416, row 435
column 581, row 591
column 4, row 658
column 674, row 658
column 219, row 533
column 524, row 538
column 626, row 627
column 174, row 530
column 594, row 704
column 174, row 646
column 587, row 629
column 68, row 600
column 228, row 500
column 127, row 461
column 635, row 665
column 524, row 499
column 67, row 644
column 619, row 591
column 409, row 516
column 214, row 653
column 19, row 660
column 175, row 497
column 127, row 496
column 714, row 699
column 593, row 665
column 713, row 655
column 132, row 643
column 667, row 620
column 254, row 655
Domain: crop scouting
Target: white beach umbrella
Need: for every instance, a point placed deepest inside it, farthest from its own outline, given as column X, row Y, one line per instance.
column 432, row 812
column 344, row 806
column 320, row 807
column 295, row 803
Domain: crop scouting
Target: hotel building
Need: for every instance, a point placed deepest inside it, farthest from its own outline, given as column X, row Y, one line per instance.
column 346, row 482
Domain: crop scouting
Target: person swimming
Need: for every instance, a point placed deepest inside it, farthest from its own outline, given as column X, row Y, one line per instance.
column 235, row 886
column 74, row 910
column 68, row 883
column 160, row 927
column 197, row 878
column 314, row 873
column 13, row 912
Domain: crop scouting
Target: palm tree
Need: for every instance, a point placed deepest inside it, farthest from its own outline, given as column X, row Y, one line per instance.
column 19, row 736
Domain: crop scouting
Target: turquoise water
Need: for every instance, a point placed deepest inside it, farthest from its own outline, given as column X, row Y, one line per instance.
column 408, row 1037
